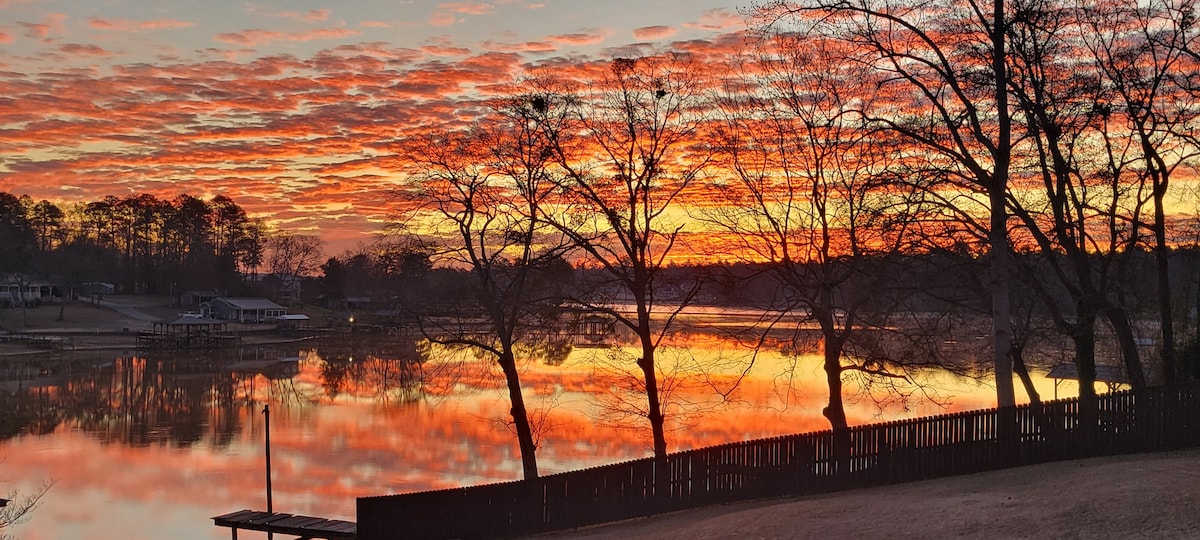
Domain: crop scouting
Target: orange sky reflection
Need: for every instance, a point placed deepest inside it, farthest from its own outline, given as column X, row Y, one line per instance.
column 327, row 451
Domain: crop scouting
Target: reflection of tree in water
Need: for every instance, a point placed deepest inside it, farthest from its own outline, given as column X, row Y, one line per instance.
column 392, row 380
column 689, row 388
column 32, row 412
column 888, row 367
column 182, row 399
column 389, row 369
column 335, row 373
column 551, row 348
column 139, row 401
column 224, row 417
column 134, row 400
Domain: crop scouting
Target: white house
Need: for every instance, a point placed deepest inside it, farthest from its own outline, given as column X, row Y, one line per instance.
column 242, row 309
column 16, row 289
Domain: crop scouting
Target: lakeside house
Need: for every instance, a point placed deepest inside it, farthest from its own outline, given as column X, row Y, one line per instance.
column 18, row 289
column 243, row 309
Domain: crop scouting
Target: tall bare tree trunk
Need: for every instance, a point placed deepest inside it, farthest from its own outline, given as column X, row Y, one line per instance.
column 1018, row 355
column 1166, row 313
column 835, row 411
column 998, row 235
column 520, row 415
column 1084, row 337
column 1127, row 342
column 654, row 414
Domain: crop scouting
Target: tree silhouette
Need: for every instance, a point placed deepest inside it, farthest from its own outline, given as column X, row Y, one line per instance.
column 816, row 197
column 626, row 150
column 947, row 78
column 477, row 200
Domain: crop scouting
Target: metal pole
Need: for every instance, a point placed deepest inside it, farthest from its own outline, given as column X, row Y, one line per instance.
column 267, row 420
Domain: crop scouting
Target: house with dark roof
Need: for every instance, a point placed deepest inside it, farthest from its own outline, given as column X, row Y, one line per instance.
column 243, row 309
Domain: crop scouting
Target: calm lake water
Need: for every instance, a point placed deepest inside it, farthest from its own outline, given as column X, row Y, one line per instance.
column 153, row 446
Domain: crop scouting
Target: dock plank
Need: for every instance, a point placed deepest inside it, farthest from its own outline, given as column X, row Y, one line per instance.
column 236, row 515
column 301, row 521
column 293, row 524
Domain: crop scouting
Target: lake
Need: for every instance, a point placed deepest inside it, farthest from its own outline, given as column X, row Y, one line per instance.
column 155, row 445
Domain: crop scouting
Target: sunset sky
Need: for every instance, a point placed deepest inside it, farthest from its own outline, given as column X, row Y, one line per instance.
column 284, row 106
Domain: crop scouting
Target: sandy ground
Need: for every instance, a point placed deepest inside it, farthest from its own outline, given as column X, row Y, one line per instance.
column 1139, row 496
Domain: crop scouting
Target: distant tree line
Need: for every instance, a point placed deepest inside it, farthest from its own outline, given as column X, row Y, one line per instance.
column 138, row 243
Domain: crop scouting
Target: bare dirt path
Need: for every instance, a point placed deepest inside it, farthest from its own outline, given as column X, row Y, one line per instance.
column 1138, row 496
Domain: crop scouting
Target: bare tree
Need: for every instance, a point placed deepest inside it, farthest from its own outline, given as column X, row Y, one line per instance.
column 1060, row 218
column 817, row 195
column 943, row 65
column 1140, row 50
column 290, row 257
column 477, row 199
column 18, row 508
column 626, row 151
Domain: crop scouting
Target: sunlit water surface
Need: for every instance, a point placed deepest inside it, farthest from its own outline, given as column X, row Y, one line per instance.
column 154, row 447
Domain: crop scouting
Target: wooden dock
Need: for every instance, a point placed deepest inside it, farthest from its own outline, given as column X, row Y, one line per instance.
column 277, row 522
column 149, row 340
column 38, row 341
column 189, row 332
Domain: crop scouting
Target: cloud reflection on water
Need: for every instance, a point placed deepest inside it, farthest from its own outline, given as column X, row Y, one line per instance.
column 167, row 444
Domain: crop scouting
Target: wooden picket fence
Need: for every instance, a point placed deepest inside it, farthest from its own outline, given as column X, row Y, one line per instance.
column 1153, row 419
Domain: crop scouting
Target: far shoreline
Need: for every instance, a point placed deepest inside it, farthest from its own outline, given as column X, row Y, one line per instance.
column 97, row 328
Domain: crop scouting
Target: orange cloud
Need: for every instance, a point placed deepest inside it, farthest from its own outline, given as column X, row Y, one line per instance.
column 443, row 46
column 719, row 19
column 447, row 13
column 468, row 8
column 653, row 32
column 528, row 46
column 107, row 24
column 5, row 38
column 442, row 18
column 287, row 137
column 127, row 25
column 256, row 37
column 165, row 24
column 311, row 15
column 579, row 38
column 719, row 50
column 83, row 50
column 548, row 44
